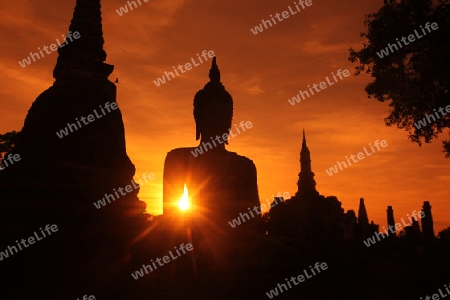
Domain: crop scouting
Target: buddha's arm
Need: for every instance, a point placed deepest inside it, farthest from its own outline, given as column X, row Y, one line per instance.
column 251, row 186
column 251, row 198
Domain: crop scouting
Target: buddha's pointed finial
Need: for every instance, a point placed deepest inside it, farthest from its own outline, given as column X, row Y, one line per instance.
column 213, row 106
column 214, row 73
column 84, row 56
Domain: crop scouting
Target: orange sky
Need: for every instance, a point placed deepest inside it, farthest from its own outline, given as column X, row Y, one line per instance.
column 261, row 72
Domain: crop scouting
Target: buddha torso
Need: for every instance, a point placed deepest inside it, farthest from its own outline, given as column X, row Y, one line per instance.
column 222, row 184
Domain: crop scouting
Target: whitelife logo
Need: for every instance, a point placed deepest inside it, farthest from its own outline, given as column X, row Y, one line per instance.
column 188, row 66
column 31, row 240
column 258, row 210
column 411, row 38
column 124, row 9
column 226, row 136
column 323, row 85
column 11, row 158
column 323, row 266
column 285, row 14
column 360, row 155
column 91, row 118
column 85, row 297
column 27, row 61
column 376, row 237
column 423, row 123
column 129, row 188
column 438, row 296
column 166, row 259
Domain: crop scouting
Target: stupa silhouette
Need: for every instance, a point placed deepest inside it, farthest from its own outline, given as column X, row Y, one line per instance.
column 308, row 215
column 58, row 179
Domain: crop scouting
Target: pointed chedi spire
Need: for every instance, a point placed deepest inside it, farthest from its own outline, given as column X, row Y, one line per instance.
column 306, row 183
column 84, row 56
column 304, row 139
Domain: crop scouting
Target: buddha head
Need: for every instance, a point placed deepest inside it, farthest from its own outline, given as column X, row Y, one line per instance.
column 213, row 107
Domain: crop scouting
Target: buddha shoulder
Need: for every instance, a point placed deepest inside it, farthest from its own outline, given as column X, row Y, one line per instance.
column 243, row 161
column 179, row 153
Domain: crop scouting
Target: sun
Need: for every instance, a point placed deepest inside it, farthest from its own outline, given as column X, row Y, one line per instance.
column 183, row 204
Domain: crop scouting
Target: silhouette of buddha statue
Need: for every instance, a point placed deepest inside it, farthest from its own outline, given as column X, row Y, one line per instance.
column 222, row 184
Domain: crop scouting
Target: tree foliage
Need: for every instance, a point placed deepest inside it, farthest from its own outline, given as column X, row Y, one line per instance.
column 7, row 142
column 445, row 234
column 415, row 79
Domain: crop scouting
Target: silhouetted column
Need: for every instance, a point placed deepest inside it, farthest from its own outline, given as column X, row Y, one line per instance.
column 427, row 221
column 362, row 213
column 363, row 220
column 391, row 222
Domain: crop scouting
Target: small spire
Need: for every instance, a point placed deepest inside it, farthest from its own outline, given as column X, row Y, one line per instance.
column 304, row 149
column 304, row 138
column 214, row 73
